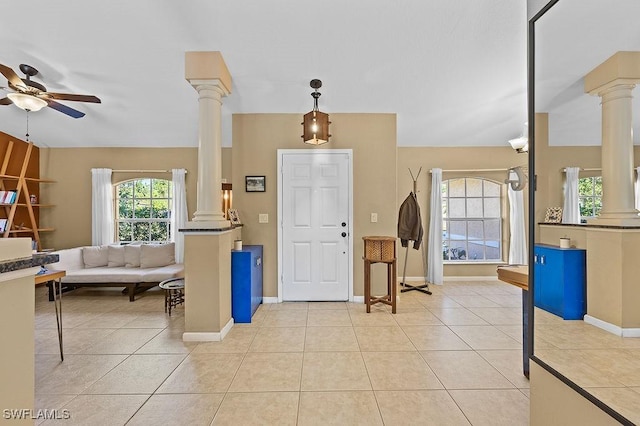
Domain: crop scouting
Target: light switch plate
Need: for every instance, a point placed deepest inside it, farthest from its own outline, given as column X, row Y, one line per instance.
column 263, row 218
column 374, row 217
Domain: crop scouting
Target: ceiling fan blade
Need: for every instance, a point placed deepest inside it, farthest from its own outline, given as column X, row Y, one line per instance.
column 71, row 97
column 65, row 109
column 5, row 101
column 12, row 77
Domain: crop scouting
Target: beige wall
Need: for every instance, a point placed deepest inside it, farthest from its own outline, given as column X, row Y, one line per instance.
column 458, row 158
column 71, row 194
column 256, row 139
column 554, row 403
column 17, row 323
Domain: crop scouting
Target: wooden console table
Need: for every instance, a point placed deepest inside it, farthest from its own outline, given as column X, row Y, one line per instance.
column 52, row 276
column 519, row 276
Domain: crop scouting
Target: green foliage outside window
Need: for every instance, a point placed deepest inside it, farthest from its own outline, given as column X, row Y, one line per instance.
column 590, row 193
column 143, row 210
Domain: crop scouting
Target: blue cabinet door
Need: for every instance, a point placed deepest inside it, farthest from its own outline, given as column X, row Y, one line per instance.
column 560, row 281
column 246, row 282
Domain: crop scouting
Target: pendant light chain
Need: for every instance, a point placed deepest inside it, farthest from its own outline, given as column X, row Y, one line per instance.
column 27, row 135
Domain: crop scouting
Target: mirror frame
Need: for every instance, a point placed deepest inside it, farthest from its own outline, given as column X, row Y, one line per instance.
column 531, row 114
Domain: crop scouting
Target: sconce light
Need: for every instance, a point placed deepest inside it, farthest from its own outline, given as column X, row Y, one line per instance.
column 227, row 199
column 315, row 125
column 521, row 144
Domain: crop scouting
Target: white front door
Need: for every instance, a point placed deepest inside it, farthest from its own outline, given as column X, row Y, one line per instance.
column 315, row 229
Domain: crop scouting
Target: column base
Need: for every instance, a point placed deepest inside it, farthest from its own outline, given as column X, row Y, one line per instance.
column 213, row 224
column 616, row 219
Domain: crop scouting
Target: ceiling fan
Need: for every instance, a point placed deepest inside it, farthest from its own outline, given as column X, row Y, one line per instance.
column 33, row 96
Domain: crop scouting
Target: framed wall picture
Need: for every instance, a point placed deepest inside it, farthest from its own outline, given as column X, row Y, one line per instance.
column 255, row 183
column 553, row 215
column 234, row 217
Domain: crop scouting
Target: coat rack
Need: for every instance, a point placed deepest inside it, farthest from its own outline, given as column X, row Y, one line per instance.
column 424, row 288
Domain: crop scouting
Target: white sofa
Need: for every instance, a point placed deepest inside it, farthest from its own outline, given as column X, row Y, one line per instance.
column 134, row 266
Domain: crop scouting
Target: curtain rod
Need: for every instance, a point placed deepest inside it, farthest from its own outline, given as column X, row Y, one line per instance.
column 472, row 170
column 142, row 171
column 596, row 169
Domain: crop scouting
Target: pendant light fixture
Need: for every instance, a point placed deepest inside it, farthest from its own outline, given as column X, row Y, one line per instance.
column 315, row 124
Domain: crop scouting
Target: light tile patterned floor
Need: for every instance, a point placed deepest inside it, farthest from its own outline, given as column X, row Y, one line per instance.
column 453, row 358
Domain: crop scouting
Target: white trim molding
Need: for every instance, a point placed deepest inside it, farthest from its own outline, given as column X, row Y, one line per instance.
column 205, row 336
column 472, row 278
column 612, row 328
column 266, row 300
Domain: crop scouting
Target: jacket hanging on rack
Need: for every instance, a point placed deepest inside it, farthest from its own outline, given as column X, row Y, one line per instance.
column 409, row 222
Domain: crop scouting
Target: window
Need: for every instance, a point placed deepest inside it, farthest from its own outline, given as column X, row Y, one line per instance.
column 471, row 215
column 143, row 210
column 590, row 193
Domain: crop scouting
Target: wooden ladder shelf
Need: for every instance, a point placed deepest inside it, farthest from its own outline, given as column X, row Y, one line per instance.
column 22, row 199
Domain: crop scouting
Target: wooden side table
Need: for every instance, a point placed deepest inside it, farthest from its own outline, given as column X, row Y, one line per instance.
column 52, row 276
column 380, row 250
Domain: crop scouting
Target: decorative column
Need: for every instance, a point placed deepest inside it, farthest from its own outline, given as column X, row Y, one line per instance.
column 613, row 81
column 208, row 237
column 209, row 76
column 617, row 156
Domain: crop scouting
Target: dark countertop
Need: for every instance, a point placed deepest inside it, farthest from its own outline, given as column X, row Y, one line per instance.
column 38, row 259
column 187, row 230
column 589, row 225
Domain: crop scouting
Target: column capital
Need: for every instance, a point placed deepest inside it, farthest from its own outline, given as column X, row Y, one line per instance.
column 215, row 85
column 617, row 89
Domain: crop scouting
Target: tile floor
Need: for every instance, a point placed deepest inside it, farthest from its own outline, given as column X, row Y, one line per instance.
column 600, row 362
column 453, row 358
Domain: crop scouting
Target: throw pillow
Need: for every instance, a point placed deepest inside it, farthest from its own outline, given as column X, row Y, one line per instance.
column 132, row 256
column 95, row 256
column 156, row 255
column 116, row 256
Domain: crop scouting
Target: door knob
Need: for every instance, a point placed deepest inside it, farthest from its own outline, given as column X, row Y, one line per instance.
column 344, row 234
column 344, row 224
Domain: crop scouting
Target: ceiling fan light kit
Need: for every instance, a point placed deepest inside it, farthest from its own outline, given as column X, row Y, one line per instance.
column 315, row 124
column 27, row 102
column 521, row 144
column 30, row 95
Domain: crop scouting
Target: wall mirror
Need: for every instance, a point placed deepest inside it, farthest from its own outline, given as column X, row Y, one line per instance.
column 568, row 39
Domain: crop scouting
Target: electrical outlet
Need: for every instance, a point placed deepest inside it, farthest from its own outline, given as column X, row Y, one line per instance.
column 263, row 218
column 374, row 217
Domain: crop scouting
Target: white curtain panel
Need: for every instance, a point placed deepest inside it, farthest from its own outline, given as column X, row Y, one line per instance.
column 571, row 209
column 518, row 240
column 637, row 188
column 434, row 262
column 178, row 211
column 102, row 220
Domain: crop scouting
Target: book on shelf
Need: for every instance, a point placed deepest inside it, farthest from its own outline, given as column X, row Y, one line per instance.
column 3, row 225
column 8, row 197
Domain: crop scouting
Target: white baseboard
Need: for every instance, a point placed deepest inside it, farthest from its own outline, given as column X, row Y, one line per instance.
column 358, row 299
column 269, row 300
column 612, row 328
column 476, row 278
column 200, row 336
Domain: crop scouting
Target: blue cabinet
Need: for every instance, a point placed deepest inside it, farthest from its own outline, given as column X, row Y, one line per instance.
column 560, row 281
column 246, row 282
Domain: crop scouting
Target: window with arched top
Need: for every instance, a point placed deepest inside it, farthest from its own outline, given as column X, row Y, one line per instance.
column 472, row 217
column 143, row 210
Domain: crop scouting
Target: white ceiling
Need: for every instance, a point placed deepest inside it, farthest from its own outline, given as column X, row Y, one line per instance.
column 454, row 72
column 573, row 38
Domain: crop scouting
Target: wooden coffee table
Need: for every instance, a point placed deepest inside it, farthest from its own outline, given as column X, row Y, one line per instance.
column 54, row 277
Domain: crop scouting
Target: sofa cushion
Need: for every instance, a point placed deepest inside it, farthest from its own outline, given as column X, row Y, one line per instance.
column 104, row 275
column 157, row 255
column 116, row 256
column 132, row 256
column 70, row 259
column 155, row 275
column 95, row 256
